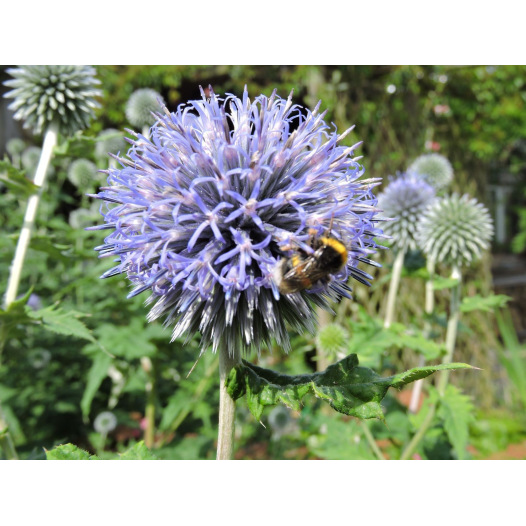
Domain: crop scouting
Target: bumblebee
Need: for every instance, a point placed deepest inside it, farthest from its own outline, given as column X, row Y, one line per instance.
column 303, row 270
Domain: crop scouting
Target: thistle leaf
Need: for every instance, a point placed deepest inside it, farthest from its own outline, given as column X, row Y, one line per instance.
column 345, row 386
column 15, row 180
column 489, row 303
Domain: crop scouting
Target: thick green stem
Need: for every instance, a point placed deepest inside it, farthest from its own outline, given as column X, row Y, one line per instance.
column 6, row 442
column 451, row 336
column 428, row 307
column 149, row 413
column 393, row 287
column 371, row 441
column 228, row 359
column 324, row 319
column 50, row 140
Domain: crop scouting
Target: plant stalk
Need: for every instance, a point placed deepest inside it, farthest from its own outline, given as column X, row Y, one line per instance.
column 451, row 336
column 149, row 412
column 50, row 140
column 228, row 359
column 393, row 288
column 371, row 441
column 429, row 306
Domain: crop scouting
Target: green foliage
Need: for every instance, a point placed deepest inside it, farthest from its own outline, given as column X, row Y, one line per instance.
column 346, row 387
column 512, row 356
column 488, row 304
column 70, row 452
column 457, row 412
column 53, row 381
column 15, row 180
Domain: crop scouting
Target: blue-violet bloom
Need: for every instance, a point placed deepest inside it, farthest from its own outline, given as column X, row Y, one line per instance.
column 203, row 210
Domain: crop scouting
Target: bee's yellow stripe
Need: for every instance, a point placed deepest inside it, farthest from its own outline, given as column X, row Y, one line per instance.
column 337, row 246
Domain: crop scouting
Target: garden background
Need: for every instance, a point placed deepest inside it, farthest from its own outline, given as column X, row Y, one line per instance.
column 54, row 383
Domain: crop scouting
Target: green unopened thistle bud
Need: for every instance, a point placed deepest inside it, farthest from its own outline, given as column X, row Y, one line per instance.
column 140, row 106
column 434, row 168
column 83, row 174
column 332, row 338
column 15, row 147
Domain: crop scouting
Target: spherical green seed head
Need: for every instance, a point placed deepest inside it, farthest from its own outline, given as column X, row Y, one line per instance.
column 455, row 230
column 109, row 141
column 434, row 168
column 140, row 106
column 61, row 95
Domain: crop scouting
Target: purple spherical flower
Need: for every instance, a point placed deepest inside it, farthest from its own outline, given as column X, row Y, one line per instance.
column 405, row 200
column 203, row 211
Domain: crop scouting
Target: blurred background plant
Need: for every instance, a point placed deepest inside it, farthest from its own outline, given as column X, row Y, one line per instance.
column 84, row 351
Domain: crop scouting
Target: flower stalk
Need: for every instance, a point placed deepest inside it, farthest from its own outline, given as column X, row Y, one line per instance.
column 429, row 306
column 227, row 406
column 451, row 336
column 50, row 140
column 149, row 413
column 393, row 288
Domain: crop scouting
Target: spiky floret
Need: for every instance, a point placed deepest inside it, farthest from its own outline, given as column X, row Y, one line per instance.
column 140, row 106
column 202, row 212
column 405, row 200
column 435, row 168
column 455, row 230
column 64, row 95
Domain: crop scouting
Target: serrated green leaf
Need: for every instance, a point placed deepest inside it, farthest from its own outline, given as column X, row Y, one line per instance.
column 56, row 251
column 15, row 180
column 97, row 373
column 16, row 313
column 56, row 320
column 138, row 452
column 131, row 341
column 456, row 411
column 444, row 283
column 69, row 452
column 77, row 147
column 489, row 303
column 346, row 387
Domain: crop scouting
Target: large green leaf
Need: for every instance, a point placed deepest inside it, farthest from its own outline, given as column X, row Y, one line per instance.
column 16, row 313
column 69, row 452
column 56, row 320
column 137, row 452
column 15, row 180
column 345, row 386
column 456, row 411
column 97, row 373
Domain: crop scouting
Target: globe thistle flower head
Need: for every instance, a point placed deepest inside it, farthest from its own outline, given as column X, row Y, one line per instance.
column 82, row 173
column 30, row 157
column 405, row 200
column 105, row 422
column 61, row 95
column 455, row 230
column 15, row 146
column 434, row 168
column 141, row 105
column 203, row 211
column 109, row 141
